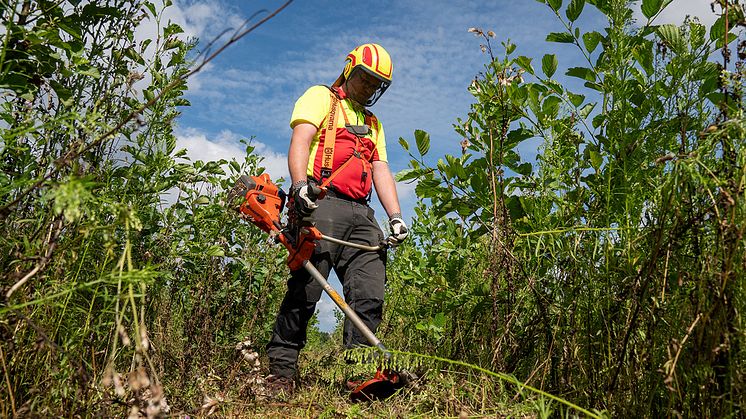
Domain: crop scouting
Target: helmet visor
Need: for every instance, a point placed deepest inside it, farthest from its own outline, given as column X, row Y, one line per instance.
column 372, row 82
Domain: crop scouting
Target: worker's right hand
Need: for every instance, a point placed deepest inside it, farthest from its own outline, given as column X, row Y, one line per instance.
column 398, row 230
column 304, row 199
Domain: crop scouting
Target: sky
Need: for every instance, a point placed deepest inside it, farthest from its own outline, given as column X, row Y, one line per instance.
column 249, row 90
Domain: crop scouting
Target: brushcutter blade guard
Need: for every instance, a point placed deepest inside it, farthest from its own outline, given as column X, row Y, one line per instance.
column 382, row 386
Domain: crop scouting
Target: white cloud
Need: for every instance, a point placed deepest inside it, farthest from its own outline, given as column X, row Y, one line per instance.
column 204, row 19
column 226, row 145
column 678, row 10
column 200, row 19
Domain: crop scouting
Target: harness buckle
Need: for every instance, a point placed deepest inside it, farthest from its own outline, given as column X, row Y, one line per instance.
column 325, row 173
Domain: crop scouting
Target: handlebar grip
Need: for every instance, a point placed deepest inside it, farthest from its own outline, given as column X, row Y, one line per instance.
column 314, row 192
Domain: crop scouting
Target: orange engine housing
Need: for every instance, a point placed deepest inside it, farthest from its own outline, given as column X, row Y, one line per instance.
column 262, row 204
column 263, row 201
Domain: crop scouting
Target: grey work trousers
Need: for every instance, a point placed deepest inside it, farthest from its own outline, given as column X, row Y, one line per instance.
column 362, row 274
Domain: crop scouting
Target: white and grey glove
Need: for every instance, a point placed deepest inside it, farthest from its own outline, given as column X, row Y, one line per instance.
column 398, row 229
column 304, row 199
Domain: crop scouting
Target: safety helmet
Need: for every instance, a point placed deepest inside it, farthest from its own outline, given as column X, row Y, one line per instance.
column 372, row 59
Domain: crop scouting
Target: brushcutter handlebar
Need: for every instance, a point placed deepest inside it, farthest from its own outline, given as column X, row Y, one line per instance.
column 382, row 245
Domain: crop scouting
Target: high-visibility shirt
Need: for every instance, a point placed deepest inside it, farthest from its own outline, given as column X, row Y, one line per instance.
column 355, row 179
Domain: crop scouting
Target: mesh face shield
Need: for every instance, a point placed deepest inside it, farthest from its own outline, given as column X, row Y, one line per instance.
column 378, row 93
column 384, row 84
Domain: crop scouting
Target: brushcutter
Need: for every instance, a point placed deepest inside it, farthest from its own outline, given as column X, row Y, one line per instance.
column 261, row 203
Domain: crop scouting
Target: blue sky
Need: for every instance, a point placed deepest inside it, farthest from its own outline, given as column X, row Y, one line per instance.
column 250, row 89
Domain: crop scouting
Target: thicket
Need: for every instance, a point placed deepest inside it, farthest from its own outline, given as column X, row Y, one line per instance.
column 611, row 272
column 122, row 272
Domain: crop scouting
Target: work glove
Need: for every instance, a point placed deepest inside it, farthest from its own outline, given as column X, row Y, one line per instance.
column 398, row 229
column 304, row 198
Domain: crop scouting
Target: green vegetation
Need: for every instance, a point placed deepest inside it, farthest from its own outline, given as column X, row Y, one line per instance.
column 612, row 272
column 606, row 278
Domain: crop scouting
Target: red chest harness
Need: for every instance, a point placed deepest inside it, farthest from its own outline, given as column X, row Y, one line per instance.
column 330, row 136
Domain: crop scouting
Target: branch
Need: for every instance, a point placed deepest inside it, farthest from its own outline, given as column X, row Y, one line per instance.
column 52, row 243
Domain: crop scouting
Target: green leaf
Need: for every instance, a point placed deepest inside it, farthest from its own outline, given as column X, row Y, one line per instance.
column 408, row 174
column 62, row 92
column 555, row 4
column 72, row 30
column 215, row 250
column 509, row 47
column 550, row 107
column 574, row 9
column 170, row 143
column 439, row 320
column 525, row 63
column 581, row 73
column 549, row 64
column 404, row 144
column 720, row 43
column 596, row 159
column 517, row 136
column 151, row 7
column 516, row 210
column 172, row 29
column 576, row 100
column 561, row 37
column 519, row 93
column 184, row 168
column 591, row 40
column 87, row 70
column 672, row 35
column 718, row 29
column 594, row 86
column 148, row 94
column 555, row 87
column 599, row 120
column 202, row 200
column 525, row 169
column 651, row 8
column 422, row 139
column 586, row 110
column 603, row 5
column 643, row 53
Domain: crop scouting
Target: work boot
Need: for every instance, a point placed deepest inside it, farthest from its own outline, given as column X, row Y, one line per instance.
column 277, row 387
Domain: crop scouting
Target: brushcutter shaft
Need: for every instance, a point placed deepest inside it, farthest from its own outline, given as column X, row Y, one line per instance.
column 346, row 309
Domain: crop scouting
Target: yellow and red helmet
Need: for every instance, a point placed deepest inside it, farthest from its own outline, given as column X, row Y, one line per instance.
column 372, row 59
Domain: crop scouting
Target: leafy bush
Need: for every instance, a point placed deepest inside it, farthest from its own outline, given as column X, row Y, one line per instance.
column 123, row 273
column 609, row 272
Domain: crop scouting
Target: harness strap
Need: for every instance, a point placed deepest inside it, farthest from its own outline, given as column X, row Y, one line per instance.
column 330, row 137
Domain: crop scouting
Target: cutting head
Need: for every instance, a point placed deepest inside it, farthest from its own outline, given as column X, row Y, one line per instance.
column 382, row 386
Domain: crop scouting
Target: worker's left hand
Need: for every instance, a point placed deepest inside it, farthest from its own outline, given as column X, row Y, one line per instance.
column 399, row 231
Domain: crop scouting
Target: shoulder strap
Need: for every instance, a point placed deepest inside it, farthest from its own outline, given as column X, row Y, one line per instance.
column 330, row 137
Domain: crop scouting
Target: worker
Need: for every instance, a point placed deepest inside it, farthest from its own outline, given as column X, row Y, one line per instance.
column 339, row 144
